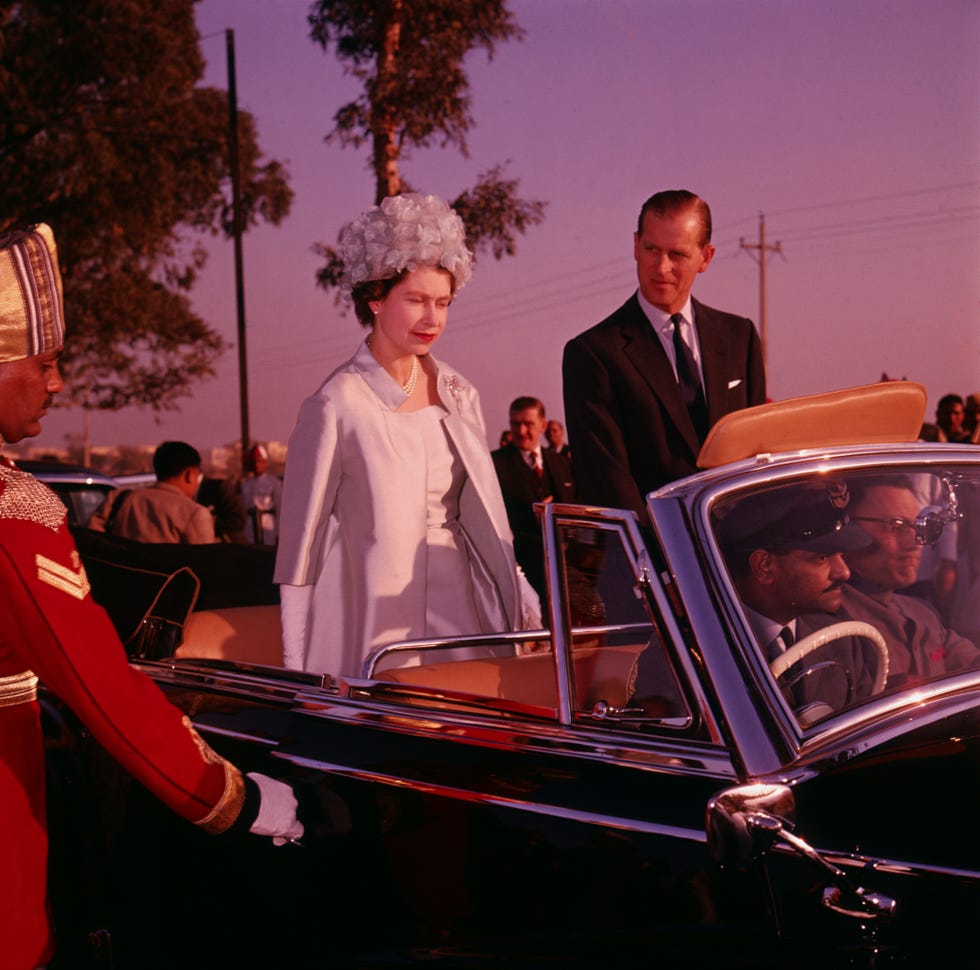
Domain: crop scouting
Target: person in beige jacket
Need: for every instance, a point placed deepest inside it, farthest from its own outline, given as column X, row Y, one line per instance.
column 165, row 512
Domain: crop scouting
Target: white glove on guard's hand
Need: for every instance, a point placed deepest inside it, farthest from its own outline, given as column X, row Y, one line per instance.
column 277, row 811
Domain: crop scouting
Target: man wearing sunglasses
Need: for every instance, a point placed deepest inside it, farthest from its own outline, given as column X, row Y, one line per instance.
column 919, row 645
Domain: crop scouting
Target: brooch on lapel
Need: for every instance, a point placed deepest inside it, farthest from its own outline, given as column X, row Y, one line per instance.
column 455, row 388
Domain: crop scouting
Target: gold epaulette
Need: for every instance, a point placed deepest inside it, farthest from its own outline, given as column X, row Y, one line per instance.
column 24, row 498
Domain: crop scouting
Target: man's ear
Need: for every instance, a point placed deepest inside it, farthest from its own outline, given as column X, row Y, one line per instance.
column 189, row 478
column 761, row 564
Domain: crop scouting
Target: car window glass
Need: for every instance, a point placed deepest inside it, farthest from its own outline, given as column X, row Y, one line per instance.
column 856, row 584
column 80, row 500
column 618, row 657
column 87, row 501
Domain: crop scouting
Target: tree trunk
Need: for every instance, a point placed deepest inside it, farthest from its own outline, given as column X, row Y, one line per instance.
column 384, row 120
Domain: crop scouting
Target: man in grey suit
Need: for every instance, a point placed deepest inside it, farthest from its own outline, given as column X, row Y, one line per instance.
column 643, row 387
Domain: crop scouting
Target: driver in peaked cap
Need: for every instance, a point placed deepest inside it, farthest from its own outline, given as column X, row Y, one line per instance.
column 785, row 550
column 54, row 632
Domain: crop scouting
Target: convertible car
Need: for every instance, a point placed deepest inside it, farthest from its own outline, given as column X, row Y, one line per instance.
column 639, row 784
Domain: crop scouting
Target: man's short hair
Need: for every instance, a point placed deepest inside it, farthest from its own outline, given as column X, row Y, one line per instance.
column 861, row 485
column 526, row 402
column 672, row 201
column 173, row 457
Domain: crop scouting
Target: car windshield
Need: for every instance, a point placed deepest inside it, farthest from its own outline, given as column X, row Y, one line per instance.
column 854, row 584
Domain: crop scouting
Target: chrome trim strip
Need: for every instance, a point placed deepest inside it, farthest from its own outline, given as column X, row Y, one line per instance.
column 203, row 728
column 870, row 864
column 669, row 756
column 498, row 801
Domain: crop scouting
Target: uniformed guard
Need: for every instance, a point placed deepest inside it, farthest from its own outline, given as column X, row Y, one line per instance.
column 52, row 630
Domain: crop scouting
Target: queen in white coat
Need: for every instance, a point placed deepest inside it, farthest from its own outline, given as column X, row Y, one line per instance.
column 393, row 526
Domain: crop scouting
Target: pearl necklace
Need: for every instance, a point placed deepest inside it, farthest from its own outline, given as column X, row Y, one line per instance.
column 413, row 379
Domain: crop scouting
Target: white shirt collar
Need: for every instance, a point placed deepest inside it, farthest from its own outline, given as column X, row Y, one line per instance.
column 766, row 630
column 664, row 329
column 660, row 318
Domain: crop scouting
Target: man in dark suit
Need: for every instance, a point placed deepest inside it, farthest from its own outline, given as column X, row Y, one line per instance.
column 785, row 551
column 643, row 387
column 529, row 473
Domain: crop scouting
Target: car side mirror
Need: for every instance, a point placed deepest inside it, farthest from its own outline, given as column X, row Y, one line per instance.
column 931, row 521
column 735, row 837
column 744, row 822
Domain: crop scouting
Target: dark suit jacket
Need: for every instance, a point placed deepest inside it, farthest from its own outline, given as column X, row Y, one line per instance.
column 628, row 427
column 521, row 488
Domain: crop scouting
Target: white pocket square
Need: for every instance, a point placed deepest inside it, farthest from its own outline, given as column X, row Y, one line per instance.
column 734, row 383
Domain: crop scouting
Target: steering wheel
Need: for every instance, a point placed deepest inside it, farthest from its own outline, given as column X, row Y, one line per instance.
column 836, row 631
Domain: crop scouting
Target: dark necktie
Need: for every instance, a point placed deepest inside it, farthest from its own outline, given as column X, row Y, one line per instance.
column 781, row 643
column 532, row 463
column 689, row 380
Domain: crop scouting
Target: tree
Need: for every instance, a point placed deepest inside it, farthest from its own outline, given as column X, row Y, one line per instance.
column 408, row 54
column 105, row 135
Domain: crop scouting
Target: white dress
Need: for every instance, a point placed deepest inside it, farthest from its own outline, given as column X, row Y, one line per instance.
column 451, row 607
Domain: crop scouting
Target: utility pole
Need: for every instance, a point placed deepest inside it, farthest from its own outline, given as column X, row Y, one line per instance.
column 237, row 220
column 763, row 250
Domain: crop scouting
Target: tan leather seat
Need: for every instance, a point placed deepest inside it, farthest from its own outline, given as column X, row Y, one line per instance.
column 248, row 634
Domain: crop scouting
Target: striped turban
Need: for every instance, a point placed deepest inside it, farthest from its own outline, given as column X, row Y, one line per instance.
column 32, row 319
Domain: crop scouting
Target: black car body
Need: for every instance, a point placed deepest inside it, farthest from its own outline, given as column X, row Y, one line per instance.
column 82, row 489
column 631, row 788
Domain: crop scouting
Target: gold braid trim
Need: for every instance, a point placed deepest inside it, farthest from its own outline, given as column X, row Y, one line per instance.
column 23, row 497
column 18, row 688
column 229, row 806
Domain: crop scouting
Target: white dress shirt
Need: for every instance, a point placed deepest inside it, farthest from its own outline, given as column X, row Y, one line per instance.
column 664, row 328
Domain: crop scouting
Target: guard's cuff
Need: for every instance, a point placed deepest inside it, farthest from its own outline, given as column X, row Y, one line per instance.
column 249, row 812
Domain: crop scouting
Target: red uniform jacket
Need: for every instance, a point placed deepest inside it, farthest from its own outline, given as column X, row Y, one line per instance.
column 49, row 625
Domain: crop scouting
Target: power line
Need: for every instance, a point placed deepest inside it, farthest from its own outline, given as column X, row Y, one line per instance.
column 877, row 198
column 552, row 293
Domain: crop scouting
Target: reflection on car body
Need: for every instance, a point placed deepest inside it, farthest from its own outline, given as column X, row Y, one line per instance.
column 631, row 784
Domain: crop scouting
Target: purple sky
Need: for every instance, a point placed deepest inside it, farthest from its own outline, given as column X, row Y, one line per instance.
column 855, row 128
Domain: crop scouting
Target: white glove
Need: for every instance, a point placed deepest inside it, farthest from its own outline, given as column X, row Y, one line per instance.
column 294, row 610
column 530, row 603
column 277, row 811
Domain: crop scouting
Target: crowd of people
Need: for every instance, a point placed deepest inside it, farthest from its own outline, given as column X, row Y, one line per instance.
column 395, row 521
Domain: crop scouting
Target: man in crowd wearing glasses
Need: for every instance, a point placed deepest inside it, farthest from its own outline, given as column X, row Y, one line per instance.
column 919, row 646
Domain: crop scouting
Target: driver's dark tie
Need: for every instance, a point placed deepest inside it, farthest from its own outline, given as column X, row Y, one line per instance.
column 783, row 641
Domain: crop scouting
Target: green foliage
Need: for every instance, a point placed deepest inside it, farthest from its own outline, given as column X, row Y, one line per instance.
column 408, row 56
column 105, row 135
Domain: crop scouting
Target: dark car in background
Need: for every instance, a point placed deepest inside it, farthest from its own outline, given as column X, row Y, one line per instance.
column 632, row 786
column 82, row 489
